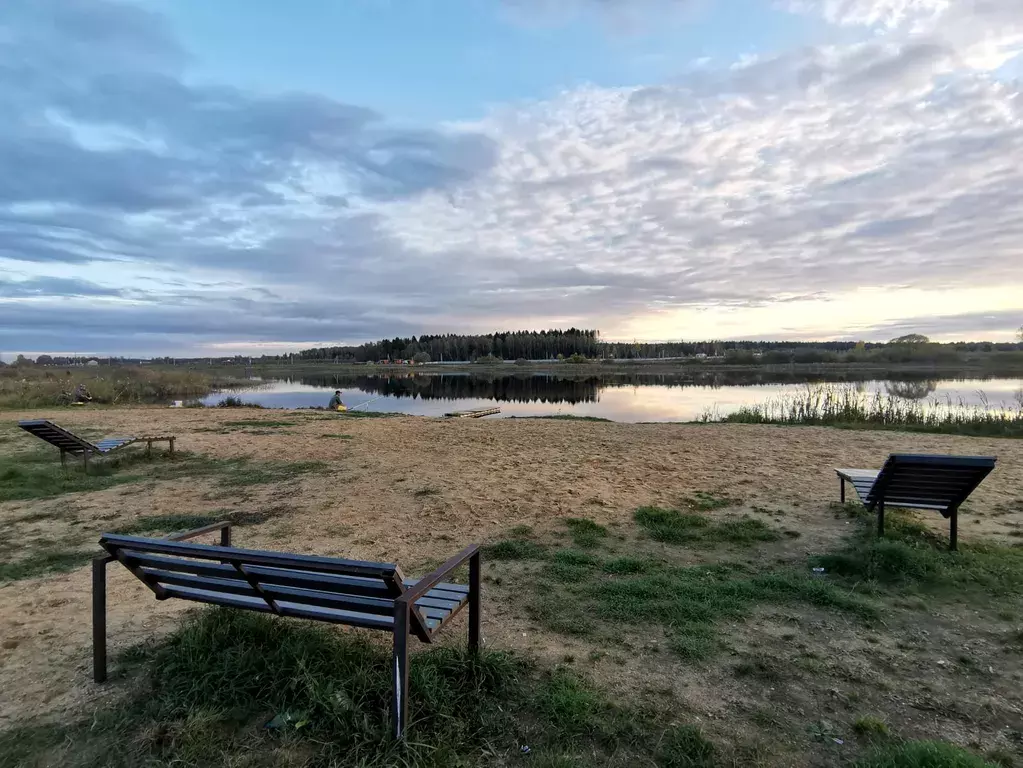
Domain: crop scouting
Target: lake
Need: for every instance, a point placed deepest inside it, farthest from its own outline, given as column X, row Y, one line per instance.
column 624, row 397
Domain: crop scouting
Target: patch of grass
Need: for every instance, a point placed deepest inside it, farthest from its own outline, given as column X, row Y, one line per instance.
column 624, row 566
column 366, row 415
column 513, row 549
column 571, row 565
column 45, row 561
column 521, row 530
column 686, row 747
column 670, row 525
column 910, row 554
column 674, row 527
column 173, row 522
column 868, row 725
column 585, row 533
column 39, row 475
column 702, row 501
column 426, row 491
column 337, row 437
column 205, row 696
column 922, row 754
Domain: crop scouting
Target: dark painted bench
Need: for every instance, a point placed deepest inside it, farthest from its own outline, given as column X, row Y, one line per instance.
column 351, row 592
column 68, row 442
column 919, row 481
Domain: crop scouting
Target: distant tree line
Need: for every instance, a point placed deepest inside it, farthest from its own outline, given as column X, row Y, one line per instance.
column 552, row 344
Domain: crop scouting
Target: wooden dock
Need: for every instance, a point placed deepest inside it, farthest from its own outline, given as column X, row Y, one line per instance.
column 479, row 413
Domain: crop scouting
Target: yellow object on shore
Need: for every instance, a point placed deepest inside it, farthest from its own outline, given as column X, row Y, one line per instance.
column 342, row 408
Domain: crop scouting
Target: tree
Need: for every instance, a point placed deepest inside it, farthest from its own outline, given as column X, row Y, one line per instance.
column 1019, row 334
column 911, row 338
column 44, row 360
column 22, row 361
column 421, row 357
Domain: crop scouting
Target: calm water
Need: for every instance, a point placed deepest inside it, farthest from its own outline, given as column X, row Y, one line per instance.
column 627, row 397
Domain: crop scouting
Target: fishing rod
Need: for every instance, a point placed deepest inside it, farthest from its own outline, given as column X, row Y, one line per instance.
column 366, row 403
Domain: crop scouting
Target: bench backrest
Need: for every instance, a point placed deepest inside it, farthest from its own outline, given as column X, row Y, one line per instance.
column 941, row 482
column 352, row 592
column 58, row 436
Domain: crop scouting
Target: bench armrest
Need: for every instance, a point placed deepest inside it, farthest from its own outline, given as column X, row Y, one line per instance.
column 431, row 580
column 224, row 526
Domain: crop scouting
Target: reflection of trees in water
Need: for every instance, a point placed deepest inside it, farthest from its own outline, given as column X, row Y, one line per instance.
column 911, row 390
column 576, row 387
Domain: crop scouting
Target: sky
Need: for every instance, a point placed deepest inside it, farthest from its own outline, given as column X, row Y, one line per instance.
column 185, row 177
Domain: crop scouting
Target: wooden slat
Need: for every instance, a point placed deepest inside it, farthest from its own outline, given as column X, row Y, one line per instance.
column 111, row 542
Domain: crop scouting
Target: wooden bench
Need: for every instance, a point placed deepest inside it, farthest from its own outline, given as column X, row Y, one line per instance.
column 919, row 481
column 351, row 592
column 68, row 442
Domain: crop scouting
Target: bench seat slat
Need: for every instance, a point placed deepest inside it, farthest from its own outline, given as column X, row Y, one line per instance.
column 225, row 579
column 443, row 586
column 296, row 610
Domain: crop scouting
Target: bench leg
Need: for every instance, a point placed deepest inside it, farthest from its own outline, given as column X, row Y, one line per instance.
column 171, row 446
column 399, row 692
column 63, row 458
column 474, row 603
column 880, row 519
column 149, row 448
column 99, row 619
column 85, row 462
column 953, row 530
column 841, row 489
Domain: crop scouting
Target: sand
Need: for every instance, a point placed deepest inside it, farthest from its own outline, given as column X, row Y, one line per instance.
column 415, row 490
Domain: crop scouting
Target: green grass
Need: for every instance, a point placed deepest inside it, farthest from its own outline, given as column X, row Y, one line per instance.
column 911, row 555
column 174, row 522
column 702, row 501
column 585, row 533
column 686, row 747
column 37, row 474
column 845, row 406
column 204, row 696
column 43, row 561
column 674, row 527
column 922, row 754
column 870, row 726
column 513, row 549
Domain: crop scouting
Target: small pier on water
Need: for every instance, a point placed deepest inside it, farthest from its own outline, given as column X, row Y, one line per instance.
column 478, row 413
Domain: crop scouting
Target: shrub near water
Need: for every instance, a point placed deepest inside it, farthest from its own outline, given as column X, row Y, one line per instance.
column 847, row 406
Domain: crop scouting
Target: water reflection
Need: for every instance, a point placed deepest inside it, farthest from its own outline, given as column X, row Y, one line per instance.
column 619, row 397
column 586, row 388
column 911, row 390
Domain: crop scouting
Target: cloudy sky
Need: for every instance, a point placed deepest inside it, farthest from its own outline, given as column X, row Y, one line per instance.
column 196, row 177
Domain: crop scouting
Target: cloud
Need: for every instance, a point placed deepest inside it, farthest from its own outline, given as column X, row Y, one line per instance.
column 156, row 215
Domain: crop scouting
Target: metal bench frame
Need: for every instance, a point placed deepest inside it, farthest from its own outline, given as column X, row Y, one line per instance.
column 919, row 481
column 334, row 590
column 69, row 442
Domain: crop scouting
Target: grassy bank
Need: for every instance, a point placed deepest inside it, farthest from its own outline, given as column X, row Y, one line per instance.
column 233, row 688
column 34, row 386
column 240, row 689
column 849, row 407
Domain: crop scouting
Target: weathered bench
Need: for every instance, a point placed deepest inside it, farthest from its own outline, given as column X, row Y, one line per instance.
column 68, row 442
column 351, row 592
column 919, row 481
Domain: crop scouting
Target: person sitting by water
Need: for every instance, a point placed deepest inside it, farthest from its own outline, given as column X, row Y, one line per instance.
column 81, row 394
column 335, row 401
